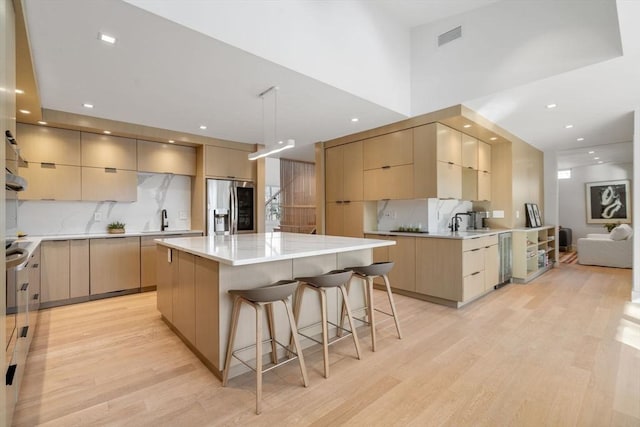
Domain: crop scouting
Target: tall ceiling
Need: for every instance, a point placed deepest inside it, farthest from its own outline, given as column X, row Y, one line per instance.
column 179, row 65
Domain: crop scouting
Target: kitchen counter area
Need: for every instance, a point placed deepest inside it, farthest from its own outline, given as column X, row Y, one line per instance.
column 464, row 234
column 195, row 273
column 78, row 236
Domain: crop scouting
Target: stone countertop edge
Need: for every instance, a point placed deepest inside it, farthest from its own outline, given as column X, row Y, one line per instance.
column 255, row 258
column 447, row 235
column 108, row 235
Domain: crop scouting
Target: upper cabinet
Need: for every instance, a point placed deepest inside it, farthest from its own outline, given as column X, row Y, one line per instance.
column 484, row 157
column 109, row 185
column 343, row 167
column 469, row 152
column 228, row 163
column 106, row 151
column 388, row 166
column 449, row 144
column 50, row 181
column 39, row 144
column 166, row 158
column 437, row 151
column 392, row 149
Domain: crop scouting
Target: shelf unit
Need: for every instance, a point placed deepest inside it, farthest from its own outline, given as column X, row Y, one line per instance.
column 534, row 252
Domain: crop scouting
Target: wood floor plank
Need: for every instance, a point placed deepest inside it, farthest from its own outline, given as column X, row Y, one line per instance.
column 562, row 350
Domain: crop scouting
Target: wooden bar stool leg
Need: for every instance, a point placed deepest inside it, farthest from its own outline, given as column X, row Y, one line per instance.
column 342, row 312
column 258, row 308
column 325, row 331
column 370, row 310
column 296, row 343
column 235, row 314
column 393, row 306
column 272, row 333
column 345, row 301
column 297, row 303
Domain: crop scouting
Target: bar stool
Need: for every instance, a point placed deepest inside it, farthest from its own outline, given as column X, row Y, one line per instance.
column 367, row 273
column 257, row 298
column 320, row 284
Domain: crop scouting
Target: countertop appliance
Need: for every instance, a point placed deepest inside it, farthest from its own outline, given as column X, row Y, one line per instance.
column 506, row 260
column 230, row 207
column 477, row 219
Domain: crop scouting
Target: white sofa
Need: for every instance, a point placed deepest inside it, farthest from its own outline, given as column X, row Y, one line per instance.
column 603, row 250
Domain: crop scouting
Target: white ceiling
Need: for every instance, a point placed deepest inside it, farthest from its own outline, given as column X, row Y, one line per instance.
column 163, row 74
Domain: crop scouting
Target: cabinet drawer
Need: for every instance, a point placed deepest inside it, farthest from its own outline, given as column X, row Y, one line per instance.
column 472, row 261
column 473, row 286
column 389, row 183
column 106, row 151
column 479, row 242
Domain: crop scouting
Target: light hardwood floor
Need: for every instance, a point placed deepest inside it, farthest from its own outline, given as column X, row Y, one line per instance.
column 563, row 350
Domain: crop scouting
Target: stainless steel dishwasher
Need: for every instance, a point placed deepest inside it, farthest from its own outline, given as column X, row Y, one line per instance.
column 504, row 247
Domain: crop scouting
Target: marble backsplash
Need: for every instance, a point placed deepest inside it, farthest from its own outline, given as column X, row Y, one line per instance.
column 155, row 192
column 432, row 215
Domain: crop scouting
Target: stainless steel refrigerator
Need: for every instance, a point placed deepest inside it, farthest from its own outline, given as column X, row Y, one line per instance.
column 230, row 207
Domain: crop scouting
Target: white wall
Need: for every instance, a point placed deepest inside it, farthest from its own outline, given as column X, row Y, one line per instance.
column 572, row 199
column 328, row 41
column 507, row 44
column 635, row 293
column 155, row 192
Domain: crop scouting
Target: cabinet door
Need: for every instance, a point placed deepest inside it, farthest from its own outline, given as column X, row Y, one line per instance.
column 393, row 149
column 469, row 152
column 228, row 163
column 147, row 266
column 115, row 264
column 48, row 181
column 54, row 257
column 40, row 144
column 105, row 184
column 352, row 179
column 206, row 296
column 484, row 156
column 352, row 219
column 484, row 186
column 473, row 286
column 389, row 183
column 334, row 174
column 106, row 151
column 491, row 266
column 439, row 268
column 167, row 273
column 79, row 268
column 449, row 145
column 469, row 184
column 34, row 281
column 184, row 297
column 166, row 158
column 334, row 219
column 403, row 254
column 449, row 181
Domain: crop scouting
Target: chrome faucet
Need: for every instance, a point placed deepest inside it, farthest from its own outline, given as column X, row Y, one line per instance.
column 164, row 223
column 455, row 221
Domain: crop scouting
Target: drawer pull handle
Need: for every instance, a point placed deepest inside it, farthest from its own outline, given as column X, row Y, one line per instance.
column 110, row 170
column 477, row 272
column 24, row 332
column 11, row 372
column 48, row 165
column 24, row 286
column 474, row 250
column 386, row 167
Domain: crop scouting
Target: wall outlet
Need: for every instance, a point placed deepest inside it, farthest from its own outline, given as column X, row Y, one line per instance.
column 97, row 216
column 182, row 215
column 497, row 214
column 517, row 214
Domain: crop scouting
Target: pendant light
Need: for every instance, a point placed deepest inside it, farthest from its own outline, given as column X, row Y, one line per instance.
column 275, row 145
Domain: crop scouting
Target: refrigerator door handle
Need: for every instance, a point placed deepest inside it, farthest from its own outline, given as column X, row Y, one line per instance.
column 234, row 208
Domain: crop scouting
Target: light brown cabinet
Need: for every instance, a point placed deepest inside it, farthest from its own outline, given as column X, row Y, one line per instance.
column 449, row 179
column 166, row 158
column 393, row 182
column 48, row 181
column 64, row 269
column 343, row 177
column 491, row 266
column 393, row 149
column 106, row 151
column 484, row 186
column 39, row 144
column 167, row 275
column 228, row 163
column 484, row 157
column 148, row 258
column 405, row 258
column 184, row 297
column 469, row 152
column 344, row 219
column 449, row 144
column 114, row 264
column 106, row 184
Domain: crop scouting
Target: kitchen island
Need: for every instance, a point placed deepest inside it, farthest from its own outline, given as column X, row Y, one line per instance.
column 195, row 273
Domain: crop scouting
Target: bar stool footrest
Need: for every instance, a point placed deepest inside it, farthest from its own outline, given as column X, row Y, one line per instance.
column 287, row 358
column 331, row 340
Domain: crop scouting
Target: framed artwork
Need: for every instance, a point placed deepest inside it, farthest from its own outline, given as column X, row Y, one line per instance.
column 608, row 201
column 536, row 214
column 530, row 216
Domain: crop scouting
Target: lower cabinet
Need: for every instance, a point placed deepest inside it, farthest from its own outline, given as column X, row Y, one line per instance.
column 403, row 255
column 344, row 219
column 64, row 270
column 114, row 264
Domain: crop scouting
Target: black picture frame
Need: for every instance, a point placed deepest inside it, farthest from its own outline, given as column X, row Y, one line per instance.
column 530, row 218
column 536, row 214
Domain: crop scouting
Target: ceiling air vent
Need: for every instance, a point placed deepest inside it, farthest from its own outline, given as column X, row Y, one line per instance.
column 450, row 36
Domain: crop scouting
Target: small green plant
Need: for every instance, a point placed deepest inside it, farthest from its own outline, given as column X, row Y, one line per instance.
column 611, row 225
column 115, row 225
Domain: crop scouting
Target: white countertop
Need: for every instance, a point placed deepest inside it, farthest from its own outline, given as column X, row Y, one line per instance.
column 108, row 235
column 442, row 235
column 245, row 249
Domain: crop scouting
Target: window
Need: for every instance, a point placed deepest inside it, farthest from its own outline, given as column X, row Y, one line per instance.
column 564, row 174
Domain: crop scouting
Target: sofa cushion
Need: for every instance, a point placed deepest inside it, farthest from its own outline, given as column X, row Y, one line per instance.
column 621, row 232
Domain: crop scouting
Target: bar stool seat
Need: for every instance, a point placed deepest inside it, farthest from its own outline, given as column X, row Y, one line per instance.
column 320, row 284
column 367, row 273
column 257, row 298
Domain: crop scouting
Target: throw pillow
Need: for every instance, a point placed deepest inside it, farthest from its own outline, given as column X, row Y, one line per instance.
column 621, row 232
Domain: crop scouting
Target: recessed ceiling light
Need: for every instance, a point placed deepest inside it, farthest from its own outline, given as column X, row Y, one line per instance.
column 600, row 162
column 568, row 126
column 25, row 111
column 493, row 138
column 552, row 106
column 203, row 127
column 19, row 91
column 107, row 38
column 596, row 158
column 580, row 139
column 591, row 152
column 40, row 122
column 355, row 119
column 108, row 132
column 171, row 141
column 466, row 126
column 87, row 105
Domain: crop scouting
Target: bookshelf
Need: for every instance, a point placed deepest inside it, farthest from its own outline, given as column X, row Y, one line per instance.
column 534, row 252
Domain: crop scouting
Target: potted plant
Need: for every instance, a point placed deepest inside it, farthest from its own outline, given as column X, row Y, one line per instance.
column 611, row 225
column 115, row 227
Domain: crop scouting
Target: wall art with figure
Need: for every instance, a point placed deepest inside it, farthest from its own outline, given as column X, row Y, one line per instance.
column 608, row 201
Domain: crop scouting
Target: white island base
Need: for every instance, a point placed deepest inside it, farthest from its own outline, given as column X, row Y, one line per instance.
column 194, row 275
